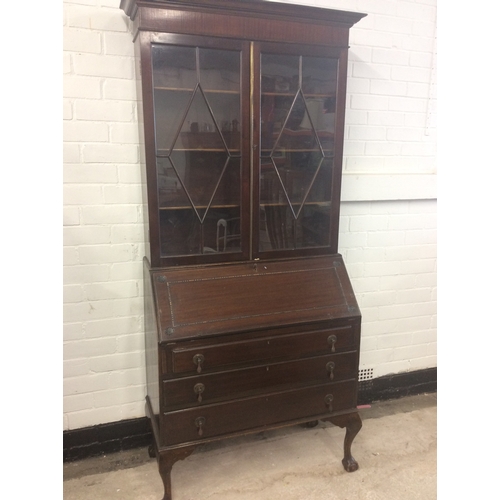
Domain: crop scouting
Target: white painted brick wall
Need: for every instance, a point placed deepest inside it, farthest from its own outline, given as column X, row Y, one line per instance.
column 103, row 229
column 394, row 277
column 389, row 246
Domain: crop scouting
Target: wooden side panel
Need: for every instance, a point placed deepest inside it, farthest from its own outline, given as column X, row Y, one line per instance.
column 151, row 342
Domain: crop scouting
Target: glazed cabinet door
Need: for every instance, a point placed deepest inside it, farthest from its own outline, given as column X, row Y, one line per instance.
column 298, row 127
column 197, row 153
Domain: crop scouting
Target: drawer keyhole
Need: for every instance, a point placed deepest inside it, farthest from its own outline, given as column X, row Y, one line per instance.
column 200, row 423
column 198, row 389
column 332, row 339
column 198, row 361
column 330, row 366
column 329, row 401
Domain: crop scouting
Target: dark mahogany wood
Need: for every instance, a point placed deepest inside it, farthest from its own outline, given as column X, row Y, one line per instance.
column 251, row 19
column 166, row 460
column 265, row 333
column 240, row 297
column 257, row 413
column 199, row 390
column 352, row 423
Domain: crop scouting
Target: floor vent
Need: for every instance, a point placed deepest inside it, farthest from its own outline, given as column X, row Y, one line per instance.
column 365, row 386
column 365, row 379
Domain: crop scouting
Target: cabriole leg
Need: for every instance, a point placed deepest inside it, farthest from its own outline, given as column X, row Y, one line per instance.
column 166, row 460
column 352, row 423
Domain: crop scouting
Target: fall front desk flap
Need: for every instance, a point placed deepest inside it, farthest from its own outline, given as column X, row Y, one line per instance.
column 200, row 301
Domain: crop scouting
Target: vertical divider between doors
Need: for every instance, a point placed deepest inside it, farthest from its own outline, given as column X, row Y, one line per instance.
column 252, row 147
column 255, row 145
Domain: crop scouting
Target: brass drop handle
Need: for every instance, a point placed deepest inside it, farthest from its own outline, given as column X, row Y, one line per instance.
column 198, row 389
column 329, row 401
column 331, row 340
column 330, row 366
column 198, row 360
column 200, row 422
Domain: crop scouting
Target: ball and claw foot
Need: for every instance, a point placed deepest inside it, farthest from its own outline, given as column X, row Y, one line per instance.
column 350, row 465
column 352, row 424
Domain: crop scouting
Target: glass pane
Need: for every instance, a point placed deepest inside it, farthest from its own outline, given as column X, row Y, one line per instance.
column 319, row 81
column 281, row 230
column 189, row 226
column 319, row 75
column 180, row 232
column 226, row 112
column 198, row 144
column 297, row 148
column 167, row 123
column 280, row 73
column 174, row 67
column 174, row 79
column 219, row 70
column 170, row 189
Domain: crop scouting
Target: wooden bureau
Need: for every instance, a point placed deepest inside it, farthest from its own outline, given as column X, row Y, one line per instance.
column 228, row 363
column 251, row 321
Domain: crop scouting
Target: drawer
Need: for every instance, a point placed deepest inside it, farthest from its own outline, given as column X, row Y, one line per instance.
column 213, row 357
column 209, row 388
column 196, row 424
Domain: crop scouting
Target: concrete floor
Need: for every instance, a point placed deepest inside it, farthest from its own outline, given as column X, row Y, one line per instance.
column 395, row 449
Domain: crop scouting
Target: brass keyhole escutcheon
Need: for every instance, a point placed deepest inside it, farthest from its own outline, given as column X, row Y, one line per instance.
column 330, row 366
column 198, row 389
column 329, row 401
column 200, row 423
column 332, row 339
column 198, row 361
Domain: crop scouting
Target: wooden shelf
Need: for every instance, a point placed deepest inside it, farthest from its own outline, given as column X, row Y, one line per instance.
column 206, row 91
column 278, row 204
column 287, row 151
column 308, row 203
column 160, row 154
column 198, row 207
column 293, row 94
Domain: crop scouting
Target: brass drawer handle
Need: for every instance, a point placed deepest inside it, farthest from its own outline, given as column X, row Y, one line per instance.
column 200, row 422
column 330, row 366
column 198, row 389
column 329, row 401
column 198, row 360
column 331, row 340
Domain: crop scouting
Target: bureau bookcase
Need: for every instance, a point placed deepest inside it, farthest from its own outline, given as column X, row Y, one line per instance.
column 250, row 318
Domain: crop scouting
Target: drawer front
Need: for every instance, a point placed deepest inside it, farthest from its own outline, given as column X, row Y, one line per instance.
column 208, row 358
column 210, row 388
column 196, row 424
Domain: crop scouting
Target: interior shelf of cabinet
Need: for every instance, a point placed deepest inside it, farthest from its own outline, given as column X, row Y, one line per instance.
column 165, row 154
column 266, row 153
column 307, row 203
column 207, row 91
column 264, row 204
column 198, row 207
column 293, row 94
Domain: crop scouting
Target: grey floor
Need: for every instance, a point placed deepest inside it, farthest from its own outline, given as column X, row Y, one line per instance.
column 395, row 449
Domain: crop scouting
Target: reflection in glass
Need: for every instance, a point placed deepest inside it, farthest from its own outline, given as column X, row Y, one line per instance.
column 198, row 147
column 298, row 95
